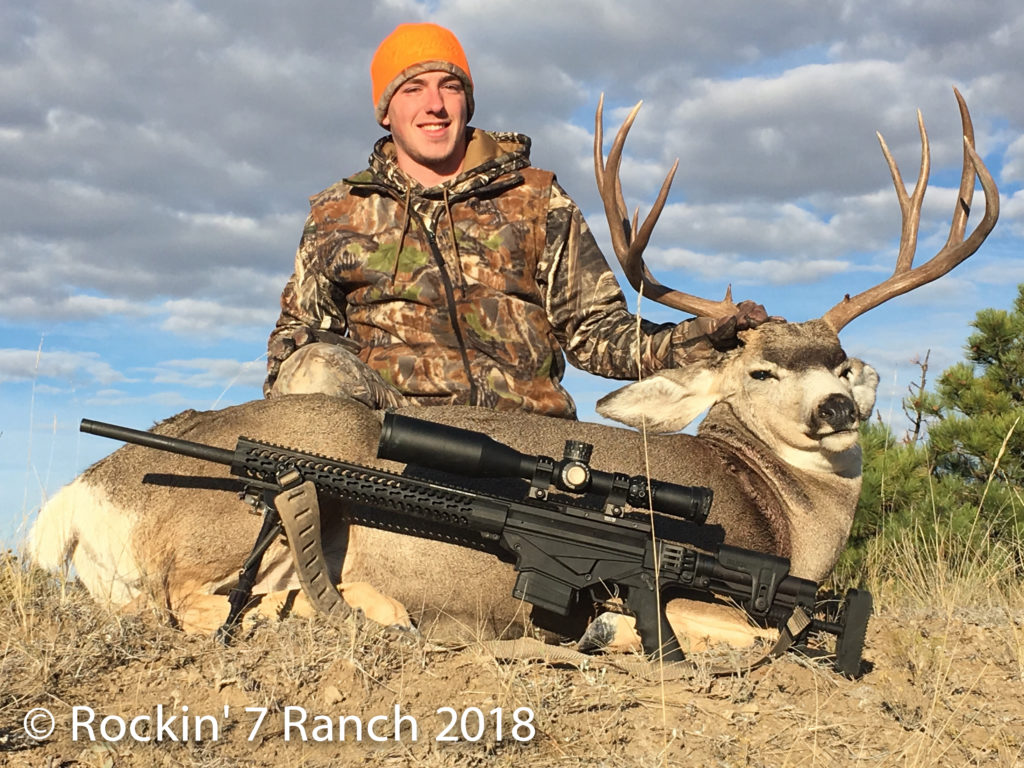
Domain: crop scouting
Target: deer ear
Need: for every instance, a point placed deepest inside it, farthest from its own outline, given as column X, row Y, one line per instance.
column 664, row 402
column 863, row 386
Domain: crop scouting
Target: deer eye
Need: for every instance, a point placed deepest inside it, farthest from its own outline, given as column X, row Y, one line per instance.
column 762, row 375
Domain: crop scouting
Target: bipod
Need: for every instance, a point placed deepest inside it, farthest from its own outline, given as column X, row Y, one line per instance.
column 239, row 596
column 294, row 512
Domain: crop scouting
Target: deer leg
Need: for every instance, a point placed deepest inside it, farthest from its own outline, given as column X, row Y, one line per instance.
column 702, row 625
column 359, row 596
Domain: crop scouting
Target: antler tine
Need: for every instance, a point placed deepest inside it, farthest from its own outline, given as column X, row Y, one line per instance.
column 610, row 187
column 966, row 195
column 910, row 206
column 956, row 250
column 628, row 241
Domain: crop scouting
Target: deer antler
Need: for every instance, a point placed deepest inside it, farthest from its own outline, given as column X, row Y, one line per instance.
column 956, row 249
column 627, row 241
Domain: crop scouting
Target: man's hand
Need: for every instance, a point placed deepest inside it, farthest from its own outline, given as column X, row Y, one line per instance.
column 751, row 315
column 696, row 338
column 723, row 330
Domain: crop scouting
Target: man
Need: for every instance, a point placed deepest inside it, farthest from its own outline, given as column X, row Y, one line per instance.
column 451, row 270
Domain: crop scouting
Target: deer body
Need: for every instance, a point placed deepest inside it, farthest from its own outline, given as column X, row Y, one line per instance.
column 179, row 531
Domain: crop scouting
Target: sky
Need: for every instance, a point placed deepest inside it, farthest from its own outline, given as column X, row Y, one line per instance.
column 156, row 161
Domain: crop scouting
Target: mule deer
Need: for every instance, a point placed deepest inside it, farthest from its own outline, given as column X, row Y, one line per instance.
column 779, row 447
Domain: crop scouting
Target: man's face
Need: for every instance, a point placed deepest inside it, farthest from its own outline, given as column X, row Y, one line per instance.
column 427, row 117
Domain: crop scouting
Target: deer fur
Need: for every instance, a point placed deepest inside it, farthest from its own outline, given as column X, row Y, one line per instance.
column 778, row 446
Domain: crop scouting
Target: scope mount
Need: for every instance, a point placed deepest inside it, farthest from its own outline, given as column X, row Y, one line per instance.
column 573, row 474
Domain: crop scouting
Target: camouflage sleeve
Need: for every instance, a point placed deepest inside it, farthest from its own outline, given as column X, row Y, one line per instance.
column 310, row 309
column 588, row 311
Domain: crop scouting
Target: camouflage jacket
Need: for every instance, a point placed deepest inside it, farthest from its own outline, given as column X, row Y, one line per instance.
column 471, row 292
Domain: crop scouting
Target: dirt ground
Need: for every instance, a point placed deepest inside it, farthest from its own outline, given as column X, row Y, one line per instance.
column 127, row 690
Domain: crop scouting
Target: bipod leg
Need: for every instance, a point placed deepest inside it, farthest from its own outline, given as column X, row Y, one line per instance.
column 240, row 595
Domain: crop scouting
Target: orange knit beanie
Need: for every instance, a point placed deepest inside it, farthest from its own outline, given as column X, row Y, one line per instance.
column 411, row 50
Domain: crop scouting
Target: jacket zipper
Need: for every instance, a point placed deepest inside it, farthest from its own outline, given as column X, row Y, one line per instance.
column 452, row 314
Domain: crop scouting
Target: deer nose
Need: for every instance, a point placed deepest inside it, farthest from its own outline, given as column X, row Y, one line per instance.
column 838, row 411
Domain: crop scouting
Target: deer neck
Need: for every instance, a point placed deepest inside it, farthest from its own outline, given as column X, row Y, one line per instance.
column 819, row 504
column 722, row 427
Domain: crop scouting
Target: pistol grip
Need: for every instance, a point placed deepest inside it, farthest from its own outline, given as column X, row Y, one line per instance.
column 650, row 618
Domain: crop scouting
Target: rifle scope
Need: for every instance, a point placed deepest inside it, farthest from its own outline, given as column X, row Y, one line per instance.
column 462, row 451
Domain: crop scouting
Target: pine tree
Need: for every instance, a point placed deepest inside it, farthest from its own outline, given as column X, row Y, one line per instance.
column 981, row 402
column 895, row 483
column 961, row 473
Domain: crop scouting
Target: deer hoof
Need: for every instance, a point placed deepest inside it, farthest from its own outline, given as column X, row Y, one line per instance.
column 610, row 631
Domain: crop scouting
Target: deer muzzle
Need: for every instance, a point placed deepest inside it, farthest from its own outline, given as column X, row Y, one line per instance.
column 836, row 411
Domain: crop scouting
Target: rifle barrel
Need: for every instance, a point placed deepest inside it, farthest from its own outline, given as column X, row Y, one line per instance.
column 161, row 442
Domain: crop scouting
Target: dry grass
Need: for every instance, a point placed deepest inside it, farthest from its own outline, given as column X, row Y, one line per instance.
column 943, row 689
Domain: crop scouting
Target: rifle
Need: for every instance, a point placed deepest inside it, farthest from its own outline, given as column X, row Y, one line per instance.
column 565, row 552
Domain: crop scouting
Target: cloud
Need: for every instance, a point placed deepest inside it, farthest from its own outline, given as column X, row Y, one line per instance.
column 1001, row 272
column 1012, row 213
column 204, row 320
column 165, row 400
column 745, row 271
column 1013, row 163
column 140, row 164
column 49, row 305
column 19, row 365
column 209, row 372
